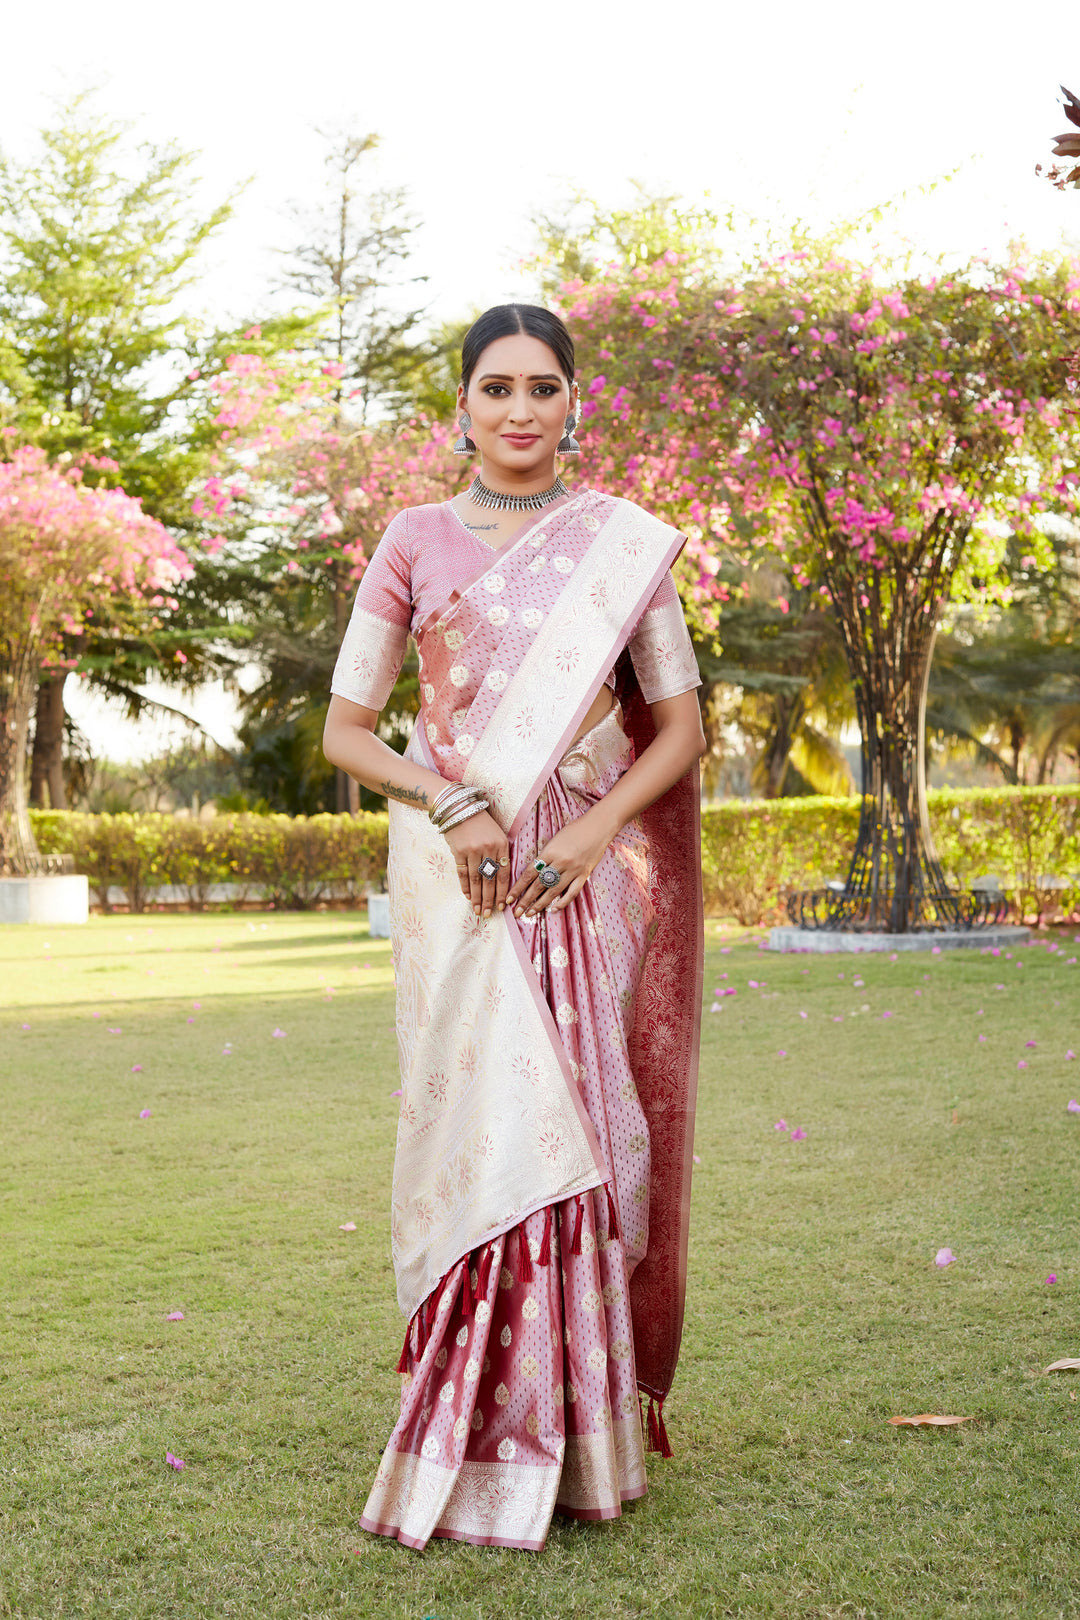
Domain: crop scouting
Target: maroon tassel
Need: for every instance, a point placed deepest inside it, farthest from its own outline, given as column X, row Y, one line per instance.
column 575, row 1247
column 403, row 1359
column 421, row 1334
column 483, row 1274
column 466, row 1288
column 612, row 1218
column 665, row 1445
column 653, row 1427
column 544, row 1257
column 525, row 1270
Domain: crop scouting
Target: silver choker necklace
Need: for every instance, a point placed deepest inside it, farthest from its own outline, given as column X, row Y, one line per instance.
column 483, row 496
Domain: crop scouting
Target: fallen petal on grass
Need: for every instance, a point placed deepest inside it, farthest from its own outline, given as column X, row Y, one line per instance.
column 1022, row 1064
column 144, row 1113
column 798, row 1134
column 1069, row 1055
column 928, row 1420
column 278, row 1035
column 175, row 1462
column 1073, row 1106
column 781, row 1125
column 944, row 1257
column 175, row 1316
column 1052, row 1277
column 349, row 1226
column 136, row 1068
column 1067, row 1364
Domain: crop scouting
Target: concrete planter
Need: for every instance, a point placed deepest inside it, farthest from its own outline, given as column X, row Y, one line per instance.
column 822, row 940
column 51, row 900
column 378, row 915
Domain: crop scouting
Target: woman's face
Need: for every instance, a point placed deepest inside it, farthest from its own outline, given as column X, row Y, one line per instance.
column 518, row 399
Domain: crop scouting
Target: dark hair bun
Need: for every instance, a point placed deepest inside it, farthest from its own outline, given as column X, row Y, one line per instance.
column 507, row 319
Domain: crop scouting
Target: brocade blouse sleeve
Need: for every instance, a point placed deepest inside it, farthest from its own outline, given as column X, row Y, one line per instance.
column 660, row 647
column 373, row 649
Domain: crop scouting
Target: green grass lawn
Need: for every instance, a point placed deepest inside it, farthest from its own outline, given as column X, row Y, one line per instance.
column 815, row 1308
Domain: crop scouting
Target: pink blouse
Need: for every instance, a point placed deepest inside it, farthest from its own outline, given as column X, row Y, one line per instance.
column 425, row 555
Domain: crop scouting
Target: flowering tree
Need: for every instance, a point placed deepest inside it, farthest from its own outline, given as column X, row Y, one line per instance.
column 303, row 493
column 67, row 550
column 886, row 437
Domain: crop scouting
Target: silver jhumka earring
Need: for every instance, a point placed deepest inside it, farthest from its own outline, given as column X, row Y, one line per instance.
column 568, row 445
column 465, row 446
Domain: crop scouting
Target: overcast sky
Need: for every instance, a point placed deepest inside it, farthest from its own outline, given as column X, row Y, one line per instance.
column 489, row 113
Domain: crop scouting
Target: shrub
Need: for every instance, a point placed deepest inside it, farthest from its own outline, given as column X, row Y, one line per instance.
column 292, row 862
column 753, row 855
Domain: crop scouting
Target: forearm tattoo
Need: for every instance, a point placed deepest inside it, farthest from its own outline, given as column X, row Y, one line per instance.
column 407, row 795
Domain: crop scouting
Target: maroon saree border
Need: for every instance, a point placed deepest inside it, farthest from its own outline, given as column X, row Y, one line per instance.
column 664, row 1055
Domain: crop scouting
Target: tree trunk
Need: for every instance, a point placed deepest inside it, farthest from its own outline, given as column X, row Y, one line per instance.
column 47, row 763
column 19, row 854
column 895, row 883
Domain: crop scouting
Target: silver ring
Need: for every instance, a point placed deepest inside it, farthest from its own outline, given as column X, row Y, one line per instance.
column 550, row 876
column 488, row 868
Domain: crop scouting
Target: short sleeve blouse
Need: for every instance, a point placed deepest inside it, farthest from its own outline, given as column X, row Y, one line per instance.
column 427, row 553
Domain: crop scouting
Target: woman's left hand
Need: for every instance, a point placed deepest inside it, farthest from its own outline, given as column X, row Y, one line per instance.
column 574, row 852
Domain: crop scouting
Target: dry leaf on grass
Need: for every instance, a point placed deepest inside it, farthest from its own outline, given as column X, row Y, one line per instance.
column 931, row 1419
column 1070, row 1364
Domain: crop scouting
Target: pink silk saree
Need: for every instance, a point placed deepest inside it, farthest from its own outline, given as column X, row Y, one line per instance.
column 542, row 1177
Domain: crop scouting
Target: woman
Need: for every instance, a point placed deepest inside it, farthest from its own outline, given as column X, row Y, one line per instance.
column 543, row 835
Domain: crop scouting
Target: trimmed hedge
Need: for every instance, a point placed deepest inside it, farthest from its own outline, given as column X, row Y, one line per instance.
column 290, row 862
column 754, row 854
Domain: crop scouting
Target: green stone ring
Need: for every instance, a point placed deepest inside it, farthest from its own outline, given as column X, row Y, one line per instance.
column 539, row 865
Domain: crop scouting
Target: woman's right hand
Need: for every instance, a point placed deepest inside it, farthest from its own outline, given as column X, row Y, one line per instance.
column 469, row 842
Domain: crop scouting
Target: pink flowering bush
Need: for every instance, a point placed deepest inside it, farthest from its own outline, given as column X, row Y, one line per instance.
column 70, row 548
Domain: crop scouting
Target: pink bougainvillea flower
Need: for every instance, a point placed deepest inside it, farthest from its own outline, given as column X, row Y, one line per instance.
column 95, row 1015
column 781, row 1125
column 175, row 1462
column 804, row 1015
column 838, row 1018
column 1070, row 962
column 145, row 1113
column 999, row 987
column 753, row 984
column 1070, row 1055
column 26, row 1026
column 175, row 1316
column 1022, row 1063
column 697, row 1158
column 108, row 1031
column 1052, row 1277
column 936, row 951
column 136, row 1068
column 396, row 1093
column 1029, row 1043
column 982, row 1037
column 781, row 1053
column 886, row 1015
column 944, row 1257
column 191, row 1020
column 349, row 1226
column 979, row 1014
column 278, row 1035
column 1073, row 1106
column 725, row 950
column 798, row 1134
column 197, row 1005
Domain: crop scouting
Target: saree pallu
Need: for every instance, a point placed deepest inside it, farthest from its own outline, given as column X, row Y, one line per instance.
column 541, row 1185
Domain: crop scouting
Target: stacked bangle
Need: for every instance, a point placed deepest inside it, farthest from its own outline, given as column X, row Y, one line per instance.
column 456, row 803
